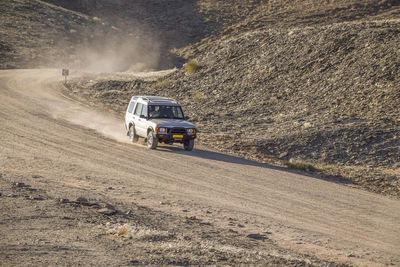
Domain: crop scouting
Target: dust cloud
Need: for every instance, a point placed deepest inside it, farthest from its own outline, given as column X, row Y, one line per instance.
column 110, row 41
column 76, row 113
column 116, row 53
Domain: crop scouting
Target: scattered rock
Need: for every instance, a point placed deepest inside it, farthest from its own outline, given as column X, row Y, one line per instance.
column 257, row 236
column 63, row 200
column 108, row 212
column 35, row 198
column 81, row 200
column 135, row 262
column 20, row 185
column 283, row 155
column 109, row 206
column 95, row 205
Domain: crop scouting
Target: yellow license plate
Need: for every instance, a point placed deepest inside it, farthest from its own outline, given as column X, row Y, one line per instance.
column 177, row 136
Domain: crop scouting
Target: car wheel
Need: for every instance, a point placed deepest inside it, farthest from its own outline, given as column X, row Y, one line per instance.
column 151, row 141
column 132, row 134
column 188, row 145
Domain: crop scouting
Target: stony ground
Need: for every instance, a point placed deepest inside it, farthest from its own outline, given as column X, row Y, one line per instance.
column 92, row 231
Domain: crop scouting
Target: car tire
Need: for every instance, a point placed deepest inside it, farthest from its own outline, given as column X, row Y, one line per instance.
column 132, row 134
column 151, row 140
column 188, row 145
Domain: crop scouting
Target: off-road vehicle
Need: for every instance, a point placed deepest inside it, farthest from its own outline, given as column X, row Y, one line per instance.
column 158, row 120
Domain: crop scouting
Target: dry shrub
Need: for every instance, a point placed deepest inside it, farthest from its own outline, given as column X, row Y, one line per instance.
column 191, row 66
column 122, row 231
column 160, row 83
column 198, row 97
column 300, row 165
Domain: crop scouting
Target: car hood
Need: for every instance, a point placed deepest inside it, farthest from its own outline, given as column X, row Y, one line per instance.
column 172, row 123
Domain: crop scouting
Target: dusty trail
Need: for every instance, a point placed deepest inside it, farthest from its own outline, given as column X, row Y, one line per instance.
column 83, row 151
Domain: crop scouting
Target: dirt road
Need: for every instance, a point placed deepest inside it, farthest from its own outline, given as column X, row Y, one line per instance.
column 67, row 150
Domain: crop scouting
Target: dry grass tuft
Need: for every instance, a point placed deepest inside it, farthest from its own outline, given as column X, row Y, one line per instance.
column 198, row 97
column 191, row 66
column 300, row 165
column 160, row 83
column 188, row 54
column 122, row 231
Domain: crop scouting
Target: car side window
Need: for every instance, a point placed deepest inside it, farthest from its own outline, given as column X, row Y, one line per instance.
column 131, row 106
column 138, row 109
column 144, row 111
column 177, row 112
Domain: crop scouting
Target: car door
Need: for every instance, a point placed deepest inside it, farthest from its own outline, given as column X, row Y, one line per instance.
column 129, row 113
column 139, row 122
column 142, row 120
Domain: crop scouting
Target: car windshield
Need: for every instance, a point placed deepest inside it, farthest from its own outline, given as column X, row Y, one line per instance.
column 165, row 112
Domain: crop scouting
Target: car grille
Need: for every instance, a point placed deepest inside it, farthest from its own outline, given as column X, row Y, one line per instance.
column 178, row 131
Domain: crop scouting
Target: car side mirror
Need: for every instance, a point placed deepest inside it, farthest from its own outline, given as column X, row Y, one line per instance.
column 143, row 117
column 186, row 118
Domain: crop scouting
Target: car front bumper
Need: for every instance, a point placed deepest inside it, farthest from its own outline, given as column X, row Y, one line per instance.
column 174, row 137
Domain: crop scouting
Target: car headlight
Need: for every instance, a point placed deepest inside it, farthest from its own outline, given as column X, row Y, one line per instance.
column 191, row 131
column 162, row 130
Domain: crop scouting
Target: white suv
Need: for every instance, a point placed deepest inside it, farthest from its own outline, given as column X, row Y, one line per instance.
column 158, row 119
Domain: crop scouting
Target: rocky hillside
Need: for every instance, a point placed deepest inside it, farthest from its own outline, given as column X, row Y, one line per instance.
column 310, row 85
column 100, row 36
column 34, row 33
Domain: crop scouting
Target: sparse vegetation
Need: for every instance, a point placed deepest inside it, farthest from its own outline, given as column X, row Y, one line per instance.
column 160, row 83
column 191, row 66
column 198, row 97
column 122, row 231
column 300, row 165
column 188, row 54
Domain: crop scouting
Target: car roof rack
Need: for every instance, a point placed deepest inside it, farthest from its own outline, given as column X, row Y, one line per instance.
column 158, row 99
column 155, row 99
